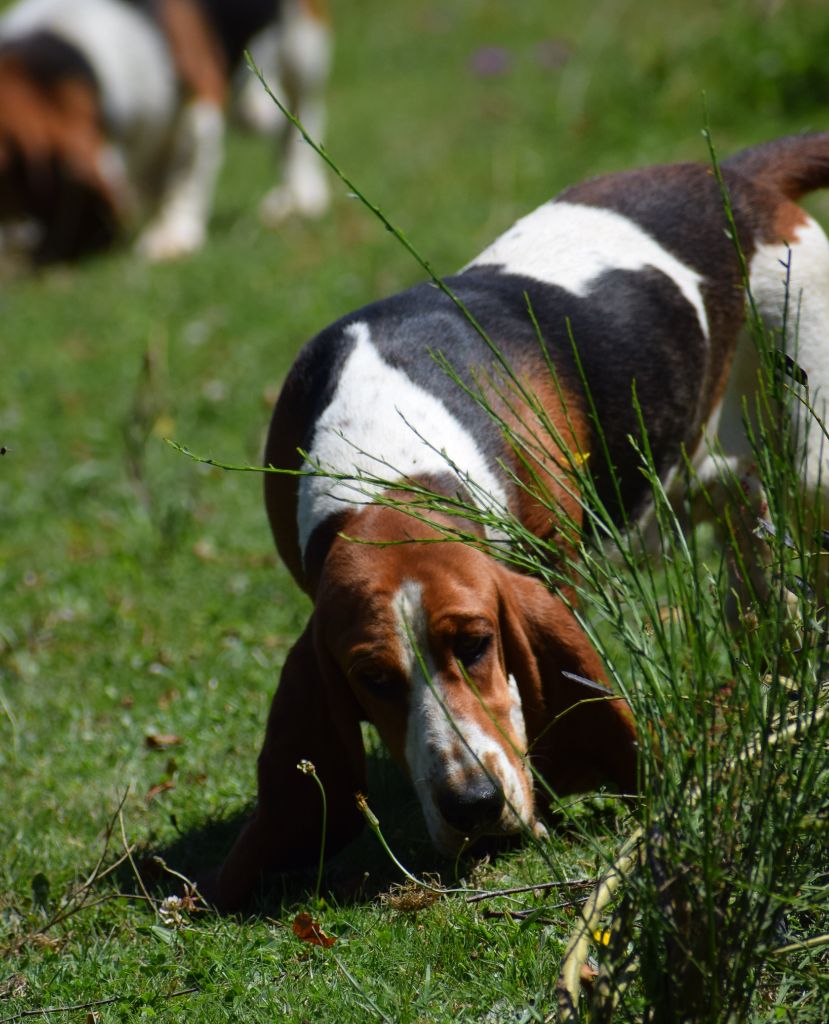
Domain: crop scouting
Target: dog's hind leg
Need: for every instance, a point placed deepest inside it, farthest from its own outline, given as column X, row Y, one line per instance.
column 790, row 286
column 179, row 226
column 303, row 59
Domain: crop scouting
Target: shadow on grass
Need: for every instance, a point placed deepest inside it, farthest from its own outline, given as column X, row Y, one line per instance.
column 355, row 875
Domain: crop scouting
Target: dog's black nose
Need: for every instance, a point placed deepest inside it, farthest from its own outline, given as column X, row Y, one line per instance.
column 473, row 807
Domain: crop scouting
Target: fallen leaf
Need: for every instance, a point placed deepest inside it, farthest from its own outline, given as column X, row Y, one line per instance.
column 159, row 787
column 307, row 929
column 160, row 740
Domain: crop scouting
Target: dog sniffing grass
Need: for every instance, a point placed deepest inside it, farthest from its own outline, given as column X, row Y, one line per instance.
column 118, row 622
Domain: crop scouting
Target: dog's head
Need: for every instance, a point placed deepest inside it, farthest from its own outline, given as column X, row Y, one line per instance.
column 51, row 164
column 466, row 669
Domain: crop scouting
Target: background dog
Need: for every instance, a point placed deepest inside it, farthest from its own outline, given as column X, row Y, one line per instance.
column 469, row 670
column 112, row 113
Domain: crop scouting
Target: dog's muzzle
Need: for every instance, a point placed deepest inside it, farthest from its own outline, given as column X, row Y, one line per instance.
column 474, row 809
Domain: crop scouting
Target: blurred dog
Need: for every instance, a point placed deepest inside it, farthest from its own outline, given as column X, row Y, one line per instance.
column 112, row 114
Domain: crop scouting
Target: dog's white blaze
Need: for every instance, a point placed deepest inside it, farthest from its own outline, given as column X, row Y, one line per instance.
column 516, row 714
column 380, row 425
column 428, row 730
column 126, row 50
column 570, row 245
column 431, row 735
column 410, row 626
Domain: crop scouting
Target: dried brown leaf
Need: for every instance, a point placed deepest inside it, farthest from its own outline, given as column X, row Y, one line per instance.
column 161, row 740
column 159, row 787
column 307, row 929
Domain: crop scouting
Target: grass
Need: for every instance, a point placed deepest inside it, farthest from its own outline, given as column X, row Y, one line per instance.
column 139, row 595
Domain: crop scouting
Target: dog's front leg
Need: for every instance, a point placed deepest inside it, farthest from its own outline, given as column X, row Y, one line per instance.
column 180, row 225
column 313, row 721
column 302, row 64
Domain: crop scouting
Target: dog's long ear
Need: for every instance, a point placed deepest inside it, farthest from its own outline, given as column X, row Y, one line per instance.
column 579, row 735
column 87, row 208
column 315, row 718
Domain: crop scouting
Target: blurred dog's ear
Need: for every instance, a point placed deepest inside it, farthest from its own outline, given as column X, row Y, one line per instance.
column 53, row 156
column 83, row 211
column 579, row 733
column 82, row 219
column 313, row 718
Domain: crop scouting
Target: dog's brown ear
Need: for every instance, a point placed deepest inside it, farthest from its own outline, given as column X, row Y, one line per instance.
column 314, row 718
column 579, row 734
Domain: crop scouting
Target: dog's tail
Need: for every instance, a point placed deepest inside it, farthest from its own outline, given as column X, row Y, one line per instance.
column 793, row 165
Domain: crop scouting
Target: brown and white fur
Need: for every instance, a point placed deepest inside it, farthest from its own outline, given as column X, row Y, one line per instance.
column 112, row 115
column 468, row 669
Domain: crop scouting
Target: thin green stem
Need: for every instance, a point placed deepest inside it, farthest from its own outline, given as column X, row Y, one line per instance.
column 307, row 768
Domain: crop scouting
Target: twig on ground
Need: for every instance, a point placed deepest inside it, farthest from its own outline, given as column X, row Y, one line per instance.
column 79, row 899
column 568, row 984
column 86, row 1006
column 128, row 854
column 570, row 883
column 802, row 944
column 531, row 912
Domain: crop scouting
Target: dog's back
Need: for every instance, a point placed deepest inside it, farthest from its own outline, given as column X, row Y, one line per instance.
column 634, row 270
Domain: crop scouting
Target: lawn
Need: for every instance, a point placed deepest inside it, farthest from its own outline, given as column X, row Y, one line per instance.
column 144, row 616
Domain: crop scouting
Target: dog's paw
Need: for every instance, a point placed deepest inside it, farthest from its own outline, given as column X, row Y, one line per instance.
column 207, row 887
column 170, row 240
column 309, row 197
column 220, row 893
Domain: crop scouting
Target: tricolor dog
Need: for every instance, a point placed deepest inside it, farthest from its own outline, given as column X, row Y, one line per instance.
column 112, row 114
column 469, row 670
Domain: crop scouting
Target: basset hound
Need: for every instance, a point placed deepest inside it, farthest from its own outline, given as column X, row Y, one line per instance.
column 470, row 671
column 112, row 115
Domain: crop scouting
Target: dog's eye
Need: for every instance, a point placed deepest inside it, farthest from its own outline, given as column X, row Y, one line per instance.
column 377, row 681
column 469, row 648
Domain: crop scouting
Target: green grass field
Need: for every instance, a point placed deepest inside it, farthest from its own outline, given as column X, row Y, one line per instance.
column 140, row 595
